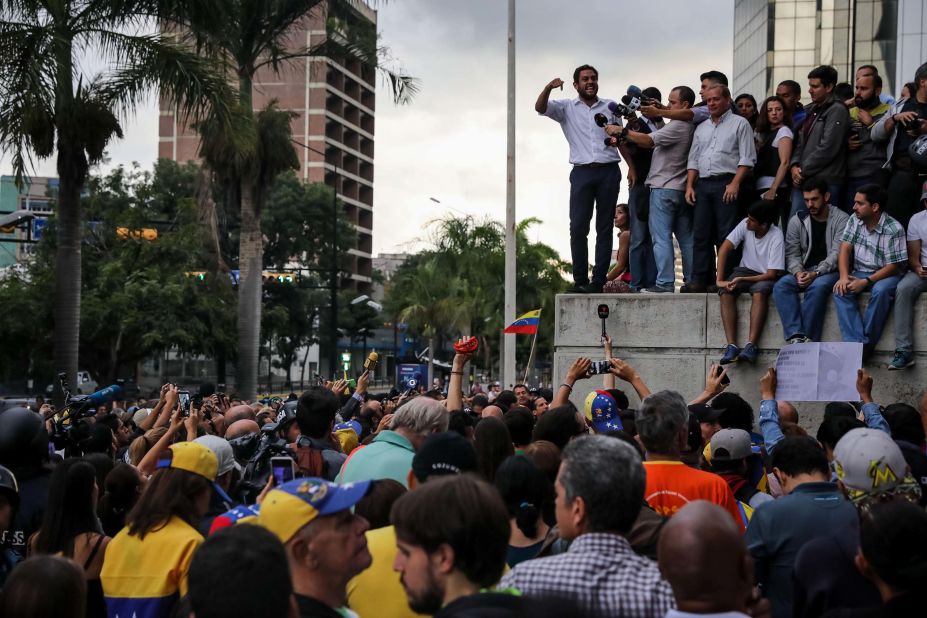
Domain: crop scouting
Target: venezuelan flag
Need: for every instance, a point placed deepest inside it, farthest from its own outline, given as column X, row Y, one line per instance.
column 526, row 324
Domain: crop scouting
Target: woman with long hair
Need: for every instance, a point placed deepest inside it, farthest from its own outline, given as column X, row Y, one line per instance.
column 121, row 490
column 773, row 151
column 618, row 279
column 745, row 105
column 527, row 493
column 70, row 527
column 493, row 445
column 145, row 569
column 45, row 587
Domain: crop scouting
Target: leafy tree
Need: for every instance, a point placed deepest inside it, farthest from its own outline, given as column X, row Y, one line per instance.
column 50, row 106
column 251, row 151
column 461, row 279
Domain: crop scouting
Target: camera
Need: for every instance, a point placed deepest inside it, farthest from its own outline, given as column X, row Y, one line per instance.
column 599, row 367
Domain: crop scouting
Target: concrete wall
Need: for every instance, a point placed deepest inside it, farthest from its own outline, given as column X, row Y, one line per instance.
column 672, row 340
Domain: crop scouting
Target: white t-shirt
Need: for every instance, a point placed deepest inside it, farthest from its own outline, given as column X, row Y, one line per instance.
column 917, row 230
column 760, row 254
column 765, row 182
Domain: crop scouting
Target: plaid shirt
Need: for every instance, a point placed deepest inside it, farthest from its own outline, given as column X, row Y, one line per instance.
column 601, row 574
column 884, row 245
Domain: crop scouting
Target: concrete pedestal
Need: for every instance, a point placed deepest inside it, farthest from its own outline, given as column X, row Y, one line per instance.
column 672, row 340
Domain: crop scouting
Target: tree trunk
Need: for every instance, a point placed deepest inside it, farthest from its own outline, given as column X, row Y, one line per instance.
column 249, row 291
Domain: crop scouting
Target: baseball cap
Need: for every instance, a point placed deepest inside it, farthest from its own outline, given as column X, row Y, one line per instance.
column 602, row 410
column 239, row 515
column 223, row 452
column 868, row 462
column 192, row 457
column 705, row 413
column 444, row 453
column 730, row 445
column 291, row 506
column 352, row 424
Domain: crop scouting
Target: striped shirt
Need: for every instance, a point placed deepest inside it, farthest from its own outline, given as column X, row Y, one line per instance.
column 873, row 250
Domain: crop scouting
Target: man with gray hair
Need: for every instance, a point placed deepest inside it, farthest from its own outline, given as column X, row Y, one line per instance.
column 390, row 454
column 600, row 490
column 663, row 426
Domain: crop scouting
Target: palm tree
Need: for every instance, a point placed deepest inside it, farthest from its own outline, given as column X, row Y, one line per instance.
column 51, row 106
column 248, row 154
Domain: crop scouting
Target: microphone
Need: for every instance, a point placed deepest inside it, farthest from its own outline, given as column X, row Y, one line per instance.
column 634, row 91
column 114, row 391
column 601, row 119
column 613, row 108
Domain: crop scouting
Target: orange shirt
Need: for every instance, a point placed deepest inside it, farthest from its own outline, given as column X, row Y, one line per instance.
column 672, row 484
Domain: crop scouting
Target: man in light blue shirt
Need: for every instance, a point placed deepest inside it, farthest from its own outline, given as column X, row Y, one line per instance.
column 595, row 177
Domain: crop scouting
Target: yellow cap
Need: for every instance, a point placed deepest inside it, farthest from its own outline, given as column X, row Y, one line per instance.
column 192, row 457
column 288, row 508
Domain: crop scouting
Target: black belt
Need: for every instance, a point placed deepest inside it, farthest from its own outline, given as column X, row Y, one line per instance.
column 718, row 177
column 596, row 164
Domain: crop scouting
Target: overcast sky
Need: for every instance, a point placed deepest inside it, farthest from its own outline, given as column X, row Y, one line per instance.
column 450, row 143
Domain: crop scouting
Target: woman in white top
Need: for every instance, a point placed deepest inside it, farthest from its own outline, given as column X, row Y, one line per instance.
column 773, row 151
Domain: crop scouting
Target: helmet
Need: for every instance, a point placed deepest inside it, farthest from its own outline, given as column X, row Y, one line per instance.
column 23, row 439
column 285, row 416
column 918, row 152
column 9, row 486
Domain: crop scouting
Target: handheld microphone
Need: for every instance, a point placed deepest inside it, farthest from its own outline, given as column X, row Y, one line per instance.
column 113, row 391
column 602, row 310
column 634, row 91
column 601, row 119
column 613, row 108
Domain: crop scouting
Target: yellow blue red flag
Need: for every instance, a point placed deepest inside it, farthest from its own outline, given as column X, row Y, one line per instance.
column 526, row 324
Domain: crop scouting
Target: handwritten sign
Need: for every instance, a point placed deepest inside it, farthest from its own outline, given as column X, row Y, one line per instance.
column 818, row 371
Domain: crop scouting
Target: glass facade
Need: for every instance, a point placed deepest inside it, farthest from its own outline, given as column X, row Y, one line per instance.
column 777, row 40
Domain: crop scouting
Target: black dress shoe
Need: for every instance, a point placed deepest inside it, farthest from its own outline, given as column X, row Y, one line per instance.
column 578, row 288
column 594, row 288
column 692, row 288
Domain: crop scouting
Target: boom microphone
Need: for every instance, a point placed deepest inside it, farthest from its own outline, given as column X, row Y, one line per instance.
column 114, row 391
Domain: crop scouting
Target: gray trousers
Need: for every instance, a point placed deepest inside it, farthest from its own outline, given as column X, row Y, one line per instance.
column 905, row 296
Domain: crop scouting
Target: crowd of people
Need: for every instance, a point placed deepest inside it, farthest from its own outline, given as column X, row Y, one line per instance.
column 824, row 201
column 508, row 503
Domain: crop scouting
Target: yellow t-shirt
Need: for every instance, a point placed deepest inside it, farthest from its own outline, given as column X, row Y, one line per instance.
column 146, row 577
column 377, row 591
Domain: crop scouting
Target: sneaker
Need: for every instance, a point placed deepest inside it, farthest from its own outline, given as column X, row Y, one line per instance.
column 797, row 339
column 748, row 353
column 656, row 290
column 731, row 353
column 902, row 360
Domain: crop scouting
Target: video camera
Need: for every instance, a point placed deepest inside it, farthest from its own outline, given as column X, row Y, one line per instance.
column 77, row 408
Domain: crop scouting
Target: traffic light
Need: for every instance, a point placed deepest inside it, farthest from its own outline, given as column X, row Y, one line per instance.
column 279, row 277
column 198, row 274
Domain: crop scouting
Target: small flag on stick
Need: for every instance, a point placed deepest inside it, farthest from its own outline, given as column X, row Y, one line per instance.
column 526, row 324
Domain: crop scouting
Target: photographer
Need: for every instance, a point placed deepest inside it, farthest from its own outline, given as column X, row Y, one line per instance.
column 317, row 454
column 903, row 124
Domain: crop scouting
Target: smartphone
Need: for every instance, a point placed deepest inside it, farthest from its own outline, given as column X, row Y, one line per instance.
column 725, row 380
column 184, row 397
column 197, row 401
column 284, row 470
column 599, row 367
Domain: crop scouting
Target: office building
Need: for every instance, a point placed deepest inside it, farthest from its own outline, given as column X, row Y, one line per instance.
column 333, row 131
column 776, row 40
column 36, row 196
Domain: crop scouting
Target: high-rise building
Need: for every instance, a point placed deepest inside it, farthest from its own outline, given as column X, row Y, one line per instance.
column 775, row 40
column 332, row 132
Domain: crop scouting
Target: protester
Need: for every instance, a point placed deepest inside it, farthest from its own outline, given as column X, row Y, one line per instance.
column 120, row 493
column 240, row 572
column 812, row 507
column 9, row 502
column 493, row 445
column 527, row 494
column 391, row 452
column 910, row 287
column 618, row 278
column 600, row 489
column 70, row 527
column 45, row 587
column 145, row 567
column 703, row 557
column 774, row 138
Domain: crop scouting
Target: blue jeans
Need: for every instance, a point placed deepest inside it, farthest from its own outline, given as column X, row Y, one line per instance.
column 908, row 290
column 866, row 329
column 669, row 214
column 805, row 317
column 835, row 190
column 592, row 189
column 713, row 220
column 640, row 258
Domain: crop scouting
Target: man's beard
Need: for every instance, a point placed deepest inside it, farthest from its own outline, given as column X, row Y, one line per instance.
column 586, row 96
column 867, row 103
column 428, row 601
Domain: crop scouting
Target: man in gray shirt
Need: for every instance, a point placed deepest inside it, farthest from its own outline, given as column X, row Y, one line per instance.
column 722, row 153
column 669, row 214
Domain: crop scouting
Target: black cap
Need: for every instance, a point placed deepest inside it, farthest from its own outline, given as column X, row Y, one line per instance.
column 444, row 453
column 705, row 413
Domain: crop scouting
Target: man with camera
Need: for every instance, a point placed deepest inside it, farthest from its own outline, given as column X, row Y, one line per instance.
column 595, row 176
column 900, row 127
column 722, row 153
column 666, row 180
column 865, row 157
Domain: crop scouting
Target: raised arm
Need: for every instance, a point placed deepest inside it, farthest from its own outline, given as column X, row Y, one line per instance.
column 579, row 370
column 455, row 385
column 540, row 106
column 629, row 374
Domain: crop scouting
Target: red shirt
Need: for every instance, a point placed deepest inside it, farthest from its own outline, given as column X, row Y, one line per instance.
column 671, row 485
